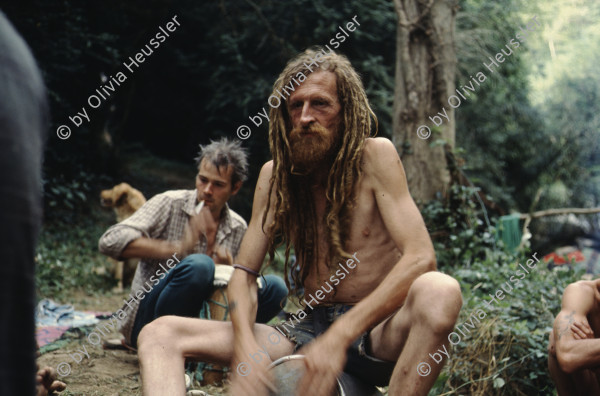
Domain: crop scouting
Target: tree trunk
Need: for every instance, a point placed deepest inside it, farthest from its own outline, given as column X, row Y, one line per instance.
column 425, row 72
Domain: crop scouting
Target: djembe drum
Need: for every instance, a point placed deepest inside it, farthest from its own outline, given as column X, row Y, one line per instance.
column 217, row 309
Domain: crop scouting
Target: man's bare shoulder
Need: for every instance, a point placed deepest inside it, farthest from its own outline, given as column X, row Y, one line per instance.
column 579, row 296
column 268, row 165
column 379, row 153
column 375, row 147
column 381, row 162
column 582, row 286
column 264, row 176
column 262, row 187
column 578, row 303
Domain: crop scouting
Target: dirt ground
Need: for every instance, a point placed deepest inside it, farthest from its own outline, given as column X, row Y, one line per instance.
column 105, row 372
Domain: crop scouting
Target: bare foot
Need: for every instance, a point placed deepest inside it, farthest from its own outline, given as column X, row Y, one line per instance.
column 46, row 382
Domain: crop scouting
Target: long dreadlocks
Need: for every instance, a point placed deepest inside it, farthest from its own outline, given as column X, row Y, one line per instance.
column 294, row 221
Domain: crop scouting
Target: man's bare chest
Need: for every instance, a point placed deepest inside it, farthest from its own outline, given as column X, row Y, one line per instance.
column 358, row 220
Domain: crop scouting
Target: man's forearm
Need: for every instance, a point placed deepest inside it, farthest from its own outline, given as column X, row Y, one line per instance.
column 574, row 355
column 243, row 304
column 150, row 249
column 383, row 301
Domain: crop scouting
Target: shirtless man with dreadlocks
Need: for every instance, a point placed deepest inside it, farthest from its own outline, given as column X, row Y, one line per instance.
column 330, row 190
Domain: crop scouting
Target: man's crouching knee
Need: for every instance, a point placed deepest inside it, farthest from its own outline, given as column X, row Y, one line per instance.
column 158, row 335
column 438, row 300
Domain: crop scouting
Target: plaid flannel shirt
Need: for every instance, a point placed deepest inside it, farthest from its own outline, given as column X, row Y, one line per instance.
column 164, row 217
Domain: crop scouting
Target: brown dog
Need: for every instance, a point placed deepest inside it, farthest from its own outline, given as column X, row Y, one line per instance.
column 125, row 200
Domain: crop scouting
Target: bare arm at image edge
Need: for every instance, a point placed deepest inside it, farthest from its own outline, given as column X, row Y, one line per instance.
column 574, row 354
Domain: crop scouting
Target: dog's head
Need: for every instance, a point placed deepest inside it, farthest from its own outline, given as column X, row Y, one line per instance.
column 116, row 196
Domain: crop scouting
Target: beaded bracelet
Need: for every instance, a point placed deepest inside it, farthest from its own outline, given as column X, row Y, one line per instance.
column 244, row 268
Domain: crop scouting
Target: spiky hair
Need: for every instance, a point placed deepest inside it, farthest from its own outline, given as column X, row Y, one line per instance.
column 224, row 153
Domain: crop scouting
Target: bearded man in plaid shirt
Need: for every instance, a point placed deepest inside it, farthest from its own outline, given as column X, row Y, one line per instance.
column 168, row 227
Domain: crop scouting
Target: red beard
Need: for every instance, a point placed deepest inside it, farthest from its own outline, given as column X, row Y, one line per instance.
column 312, row 147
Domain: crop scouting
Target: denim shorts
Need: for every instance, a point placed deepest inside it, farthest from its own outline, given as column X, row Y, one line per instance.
column 359, row 364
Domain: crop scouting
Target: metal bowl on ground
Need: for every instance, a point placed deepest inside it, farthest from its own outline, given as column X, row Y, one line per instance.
column 288, row 370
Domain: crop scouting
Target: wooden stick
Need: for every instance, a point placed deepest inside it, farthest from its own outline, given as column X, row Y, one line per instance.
column 558, row 211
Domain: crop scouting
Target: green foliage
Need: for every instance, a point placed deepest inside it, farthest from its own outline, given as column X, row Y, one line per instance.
column 498, row 118
column 506, row 353
column 72, row 195
column 255, row 40
column 456, row 225
column 521, row 321
column 66, row 194
column 537, row 113
column 68, row 259
column 575, row 126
